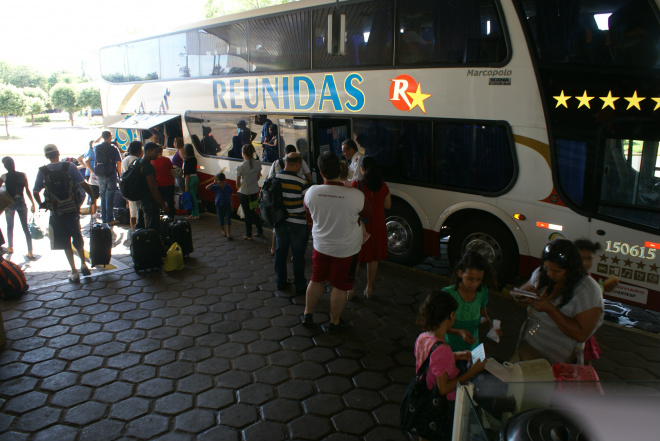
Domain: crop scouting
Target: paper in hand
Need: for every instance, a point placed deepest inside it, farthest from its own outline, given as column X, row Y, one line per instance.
column 478, row 353
column 492, row 334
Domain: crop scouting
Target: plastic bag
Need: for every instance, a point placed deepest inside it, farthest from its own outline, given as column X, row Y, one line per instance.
column 186, row 201
column 174, row 258
column 240, row 212
column 35, row 230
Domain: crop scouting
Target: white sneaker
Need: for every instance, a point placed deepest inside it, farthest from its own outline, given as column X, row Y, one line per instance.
column 74, row 277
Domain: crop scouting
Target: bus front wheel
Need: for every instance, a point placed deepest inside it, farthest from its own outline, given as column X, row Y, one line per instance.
column 490, row 239
column 404, row 234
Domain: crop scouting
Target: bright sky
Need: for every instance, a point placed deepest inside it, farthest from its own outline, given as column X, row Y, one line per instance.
column 52, row 35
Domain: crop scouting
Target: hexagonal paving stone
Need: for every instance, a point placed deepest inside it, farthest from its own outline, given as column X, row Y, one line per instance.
column 195, row 354
column 271, row 375
column 233, row 379
column 248, row 362
column 26, row 402
column 86, row 364
column 265, row 431
column 214, row 366
column 38, row 419
column 195, row 383
column 334, row 384
column 43, row 369
column 155, row 387
column 295, row 389
column 114, row 392
column 85, row 413
column 282, row 410
column 353, row 421
column 17, row 386
column 216, row 398
column 71, row 396
column 238, row 415
column 173, row 404
column 138, row 374
column 105, row 430
column 123, row 361
column 362, row 399
column 99, row 377
column 309, row 427
column 160, row 357
column 177, row 369
column 220, row 433
column 59, row 433
column 147, row 427
column 256, row 394
column 130, row 408
column 323, row 404
column 387, row 415
column 195, row 421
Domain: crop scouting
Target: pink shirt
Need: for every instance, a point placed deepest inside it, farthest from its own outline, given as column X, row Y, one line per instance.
column 442, row 360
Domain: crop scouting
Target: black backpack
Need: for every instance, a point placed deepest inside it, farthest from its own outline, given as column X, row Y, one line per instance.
column 132, row 185
column 271, row 203
column 61, row 194
column 104, row 166
column 12, row 280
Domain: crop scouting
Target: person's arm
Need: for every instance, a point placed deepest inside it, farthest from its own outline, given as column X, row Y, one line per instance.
column 308, row 177
column 29, row 193
column 463, row 334
column 579, row 327
column 488, row 322
column 445, row 385
column 208, row 187
column 387, row 203
column 118, row 165
column 85, row 186
column 153, row 189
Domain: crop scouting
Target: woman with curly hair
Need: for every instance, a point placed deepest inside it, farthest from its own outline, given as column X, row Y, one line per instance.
column 568, row 310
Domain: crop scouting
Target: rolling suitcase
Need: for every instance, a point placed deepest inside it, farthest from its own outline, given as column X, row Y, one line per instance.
column 165, row 223
column 146, row 249
column 100, row 244
column 123, row 216
column 180, row 232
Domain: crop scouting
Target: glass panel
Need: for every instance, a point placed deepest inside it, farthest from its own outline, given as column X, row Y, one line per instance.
column 175, row 56
column 222, row 50
column 280, row 43
column 472, row 156
column 451, row 32
column 613, row 33
column 401, row 148
column 630, row 187
column 368, row 35
column 114, row 66
column 294, row 131
column 571, row 160
column 216, row 134
column 143, row 60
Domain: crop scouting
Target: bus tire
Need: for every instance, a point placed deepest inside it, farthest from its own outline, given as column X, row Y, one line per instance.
column 405, row 236
column 490, row 238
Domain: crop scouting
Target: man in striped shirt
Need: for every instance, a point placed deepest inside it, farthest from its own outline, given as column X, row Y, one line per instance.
column 294, row 232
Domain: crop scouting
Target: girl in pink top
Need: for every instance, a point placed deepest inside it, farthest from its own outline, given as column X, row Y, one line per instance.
column 436, row 317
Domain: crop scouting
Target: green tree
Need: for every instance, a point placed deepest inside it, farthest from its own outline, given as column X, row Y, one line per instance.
column 61, row 76
column 12, row 101
column 90, row 97
column 34, row 106
column 216, row 8
column 63, row 96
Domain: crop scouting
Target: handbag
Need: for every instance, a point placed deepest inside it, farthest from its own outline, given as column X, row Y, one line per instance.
column 177, row 172
column 6, row 200
column 186, row 201
column 35, row 229
column 426, row 413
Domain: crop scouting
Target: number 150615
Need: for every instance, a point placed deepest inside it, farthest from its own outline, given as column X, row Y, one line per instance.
column 629, row 250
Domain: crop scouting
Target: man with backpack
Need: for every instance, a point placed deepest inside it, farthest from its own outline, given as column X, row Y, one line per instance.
column 293, row 232
column 61, row 182
column 108, row 165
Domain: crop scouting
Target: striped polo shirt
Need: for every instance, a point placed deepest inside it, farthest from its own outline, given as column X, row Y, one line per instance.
column 293, row 192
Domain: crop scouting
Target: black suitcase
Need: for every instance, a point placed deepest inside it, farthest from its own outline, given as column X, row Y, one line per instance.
column 146, row 249
column 100, row 244
column 118, row 201
column 165, row 223
column 180, row 232
column 123, row 216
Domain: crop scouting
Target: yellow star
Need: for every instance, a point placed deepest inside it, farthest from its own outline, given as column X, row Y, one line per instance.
column 561, row 100
column 609, row 100
column 634, row 101
column 657, row 103
column 418, row 98
column 584, row 100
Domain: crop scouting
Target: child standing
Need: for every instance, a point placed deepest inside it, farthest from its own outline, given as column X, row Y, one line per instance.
column 224, row 205
column 436, row 316
column 470, row 289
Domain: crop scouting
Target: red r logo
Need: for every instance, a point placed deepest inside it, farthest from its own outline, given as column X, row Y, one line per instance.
column 406, row 93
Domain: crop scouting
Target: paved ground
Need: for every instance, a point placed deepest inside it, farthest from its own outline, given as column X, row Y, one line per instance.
column 215, row 352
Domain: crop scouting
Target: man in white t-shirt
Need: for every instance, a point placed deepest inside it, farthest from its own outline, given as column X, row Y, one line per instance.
column 350, row 150
column 335, row 210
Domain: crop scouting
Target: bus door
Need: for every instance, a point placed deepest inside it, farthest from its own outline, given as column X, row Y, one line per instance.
column 328, row 134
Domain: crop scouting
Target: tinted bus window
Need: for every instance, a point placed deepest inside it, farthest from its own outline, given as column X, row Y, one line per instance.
column 143, row 60
column 401, row 148
column 449, row 32
column 571, row 163
column 613, row 33
column 473, row 157
column 280, row 43
column 113, row 64
column 177, row 58
column 368, row 35
column 223, row 49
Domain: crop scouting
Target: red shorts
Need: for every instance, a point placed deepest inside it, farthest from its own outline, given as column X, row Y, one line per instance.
column 338, row 271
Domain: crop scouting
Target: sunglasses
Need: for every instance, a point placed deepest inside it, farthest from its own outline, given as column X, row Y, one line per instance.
column 553, row 253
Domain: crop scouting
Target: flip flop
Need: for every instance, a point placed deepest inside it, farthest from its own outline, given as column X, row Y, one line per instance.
column 247, row 237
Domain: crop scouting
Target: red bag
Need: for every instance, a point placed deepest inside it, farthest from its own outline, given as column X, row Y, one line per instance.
column 585, row 375
column 12, row 280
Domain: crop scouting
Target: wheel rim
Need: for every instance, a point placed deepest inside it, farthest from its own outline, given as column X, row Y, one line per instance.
column 399, row 235
column 485, row 245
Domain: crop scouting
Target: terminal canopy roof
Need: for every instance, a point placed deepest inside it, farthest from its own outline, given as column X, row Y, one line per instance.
column 142, row 121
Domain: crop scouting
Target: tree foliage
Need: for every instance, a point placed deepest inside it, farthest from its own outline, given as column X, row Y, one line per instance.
column 34, row 106
column 12, row 102
column 89, row 96
column 216, row 8
column 21, row 76
column 63, row 96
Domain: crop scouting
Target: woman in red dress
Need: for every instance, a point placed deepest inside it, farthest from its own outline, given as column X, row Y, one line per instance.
column 376, row 191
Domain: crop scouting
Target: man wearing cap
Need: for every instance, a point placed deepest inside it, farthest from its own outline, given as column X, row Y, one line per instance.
column 108, row 166
column 244, row 135
column 64, row 228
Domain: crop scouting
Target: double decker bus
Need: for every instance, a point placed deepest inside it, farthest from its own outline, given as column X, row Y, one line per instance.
column 500, row 124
